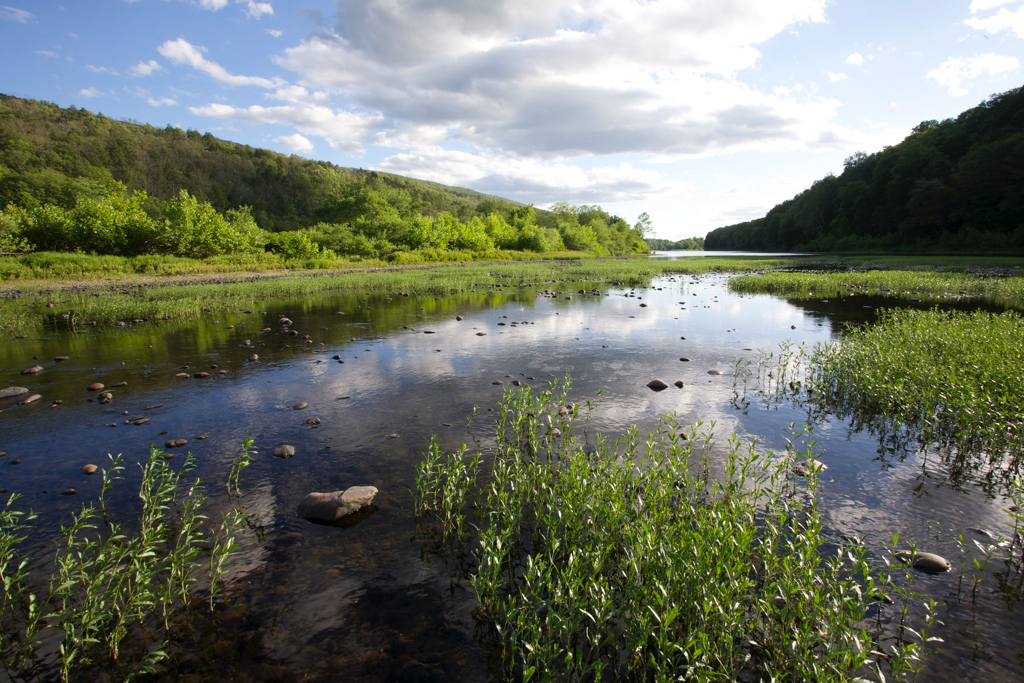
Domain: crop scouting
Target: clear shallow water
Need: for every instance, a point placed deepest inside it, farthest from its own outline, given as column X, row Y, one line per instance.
column 312, row 601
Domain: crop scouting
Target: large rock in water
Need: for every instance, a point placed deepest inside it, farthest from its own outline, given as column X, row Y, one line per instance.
column 929, row 563
column 329, row 507
column 11, row 392
column 657, row 385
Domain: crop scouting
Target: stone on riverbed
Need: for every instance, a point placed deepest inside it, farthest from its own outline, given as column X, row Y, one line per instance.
column 11, row 392
column 329, row 507
column 804, row 468
column 657, row 385
column 34, row 370
column 929, row 563
column 284, row 451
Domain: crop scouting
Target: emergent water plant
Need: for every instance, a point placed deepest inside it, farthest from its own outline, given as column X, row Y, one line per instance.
column 118, row 588
column 654, row 559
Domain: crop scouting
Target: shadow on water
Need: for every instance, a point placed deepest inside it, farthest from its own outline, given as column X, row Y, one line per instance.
column 382, row 374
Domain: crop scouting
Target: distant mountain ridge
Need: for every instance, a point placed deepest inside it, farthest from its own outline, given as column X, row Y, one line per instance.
column 954, row 185
column 53, row 155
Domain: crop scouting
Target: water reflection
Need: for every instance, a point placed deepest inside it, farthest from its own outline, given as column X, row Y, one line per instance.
column 384, row 373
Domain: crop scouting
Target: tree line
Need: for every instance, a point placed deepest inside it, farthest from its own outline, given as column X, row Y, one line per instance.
column 952, row 185
column 71, row 180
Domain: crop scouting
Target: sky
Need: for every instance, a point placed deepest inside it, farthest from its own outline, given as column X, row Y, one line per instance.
column 702, row 113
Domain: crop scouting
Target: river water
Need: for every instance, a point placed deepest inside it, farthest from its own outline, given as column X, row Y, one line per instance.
column 383, row 374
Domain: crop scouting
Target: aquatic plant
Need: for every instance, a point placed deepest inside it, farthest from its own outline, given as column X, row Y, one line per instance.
column 629, row 561
column 114, row 597
column 945, row 376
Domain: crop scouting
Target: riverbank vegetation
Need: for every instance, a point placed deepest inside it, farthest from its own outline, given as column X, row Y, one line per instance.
column 73, row 181
column 630, row 560
column 954, row 185
column 1006, row 290
column 66, row 297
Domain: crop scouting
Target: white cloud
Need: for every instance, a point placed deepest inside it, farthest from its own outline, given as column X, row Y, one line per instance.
column 835, row 78
column 530, row 179
column 145, row 68
column 252, row 8
column 273, row 32
column 91, row 92
column 258, row 9
column 16, row 15
column 161, row 101
column 101, row 69
column 342, row 129
column 46, row 53
column 181, row 51
column 982, row 5
column 855, row 58
column 1011, row 20
column 954, row 71
column 296, row 143
column 561, row 78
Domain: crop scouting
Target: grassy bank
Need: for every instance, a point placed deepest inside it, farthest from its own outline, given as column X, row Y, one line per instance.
column 1006, row 290
column 29, row 306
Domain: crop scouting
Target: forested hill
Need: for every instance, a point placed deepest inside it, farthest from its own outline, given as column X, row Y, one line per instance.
column 52, row 155
column 954, row 185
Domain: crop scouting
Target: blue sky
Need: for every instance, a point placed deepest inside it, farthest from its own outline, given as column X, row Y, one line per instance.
column 701, row 113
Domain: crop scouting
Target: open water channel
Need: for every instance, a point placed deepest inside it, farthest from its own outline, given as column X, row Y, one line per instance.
column 382, row 374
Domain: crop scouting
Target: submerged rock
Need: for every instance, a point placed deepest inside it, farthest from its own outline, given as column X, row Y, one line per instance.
column 300, row 405
column 31, row 399
column 805, row 468
column 283, row 451
column 11, row 392
column 328, row 507
column 657, row 385
column 34, row 370
column 94, row 387
column 89, row 469
column 929, row 563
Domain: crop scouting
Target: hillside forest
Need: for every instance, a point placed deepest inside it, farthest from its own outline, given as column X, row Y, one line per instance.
column 953, row 185
column 74, row 181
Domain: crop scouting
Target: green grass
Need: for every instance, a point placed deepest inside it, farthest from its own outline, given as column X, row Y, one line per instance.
column 630, row 561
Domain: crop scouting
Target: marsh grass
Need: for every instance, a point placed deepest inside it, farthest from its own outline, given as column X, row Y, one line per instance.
column 594, row 560
column 947, row 379
column 118, row 590
column 40, row 304
column 905, row 284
